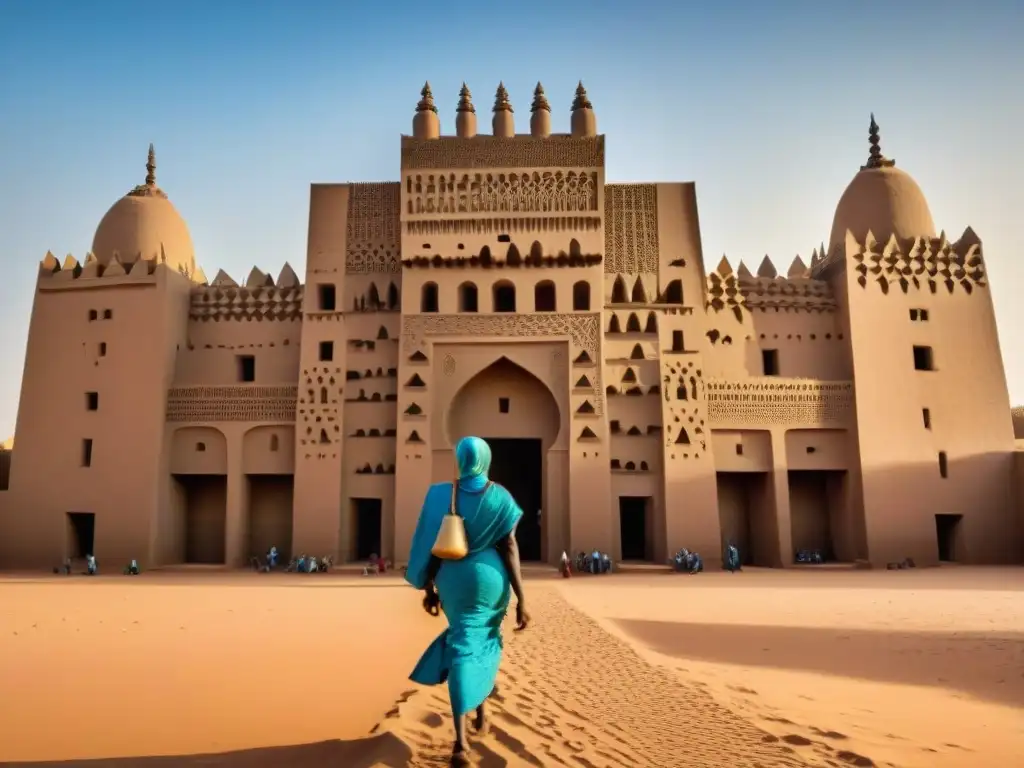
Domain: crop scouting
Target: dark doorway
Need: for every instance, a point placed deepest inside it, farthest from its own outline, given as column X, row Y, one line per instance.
column 81, row 534
column 745, row 514
column 206, row 508
column 367, row 519
column 633, row 527
column 517, row 464
column 947, row 531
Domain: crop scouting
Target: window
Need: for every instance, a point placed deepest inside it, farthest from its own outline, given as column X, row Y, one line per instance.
column 504, row 239
column 504, row 297
column 327, row 297
column 677, row 341
column 581, row 296
column 919, row 315
column 674, row 292
column 544, row 297
column 92, row 314
column 246, row 368
column 943, row 465
column 770, row 361
column 326, row 351
column 924, row 360
column 739, row 449
column 103, row 349
column 108, row 314
column 92, row 401
column 200, row 447
column 811, row 449
column 87, row 452
column 428, row 297
column 274, row 443
column 469, row 299
column 502, row 405
column 926, row 416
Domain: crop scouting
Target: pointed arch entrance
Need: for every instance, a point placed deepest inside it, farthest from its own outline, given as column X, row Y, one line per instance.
column 518, row 416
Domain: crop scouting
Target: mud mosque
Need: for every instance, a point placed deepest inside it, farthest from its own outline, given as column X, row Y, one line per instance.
column 854, row 403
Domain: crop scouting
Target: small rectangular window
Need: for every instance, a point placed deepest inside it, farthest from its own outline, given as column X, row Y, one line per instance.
column 924, row 359
column 504, row 238
column 246, row 368
column 327, row 297
column 502, row 405
column 87, row 452
column 326, row 351
column 677, row 341
column 943, row 465
column 103, row 349
column 919, row 315
column 92, row 401
column 92, row 314
column 770, row 361
column 108, row 314
column 926, row 416
column 739, row 449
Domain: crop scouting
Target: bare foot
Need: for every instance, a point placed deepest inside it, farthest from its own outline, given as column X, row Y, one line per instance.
column 460, row 757
column 481, row 723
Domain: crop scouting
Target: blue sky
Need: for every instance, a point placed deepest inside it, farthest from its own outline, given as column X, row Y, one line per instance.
column 764, row 105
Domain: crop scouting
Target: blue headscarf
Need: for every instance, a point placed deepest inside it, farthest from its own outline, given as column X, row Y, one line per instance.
column 473, row 458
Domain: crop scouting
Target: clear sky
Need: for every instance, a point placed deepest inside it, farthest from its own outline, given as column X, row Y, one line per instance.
column 764, row 104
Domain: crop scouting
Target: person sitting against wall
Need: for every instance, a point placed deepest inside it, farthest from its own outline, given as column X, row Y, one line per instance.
column 91, row 568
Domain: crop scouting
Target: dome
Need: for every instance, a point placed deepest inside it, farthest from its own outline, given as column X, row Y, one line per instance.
column 145, row 223
column 881, row 199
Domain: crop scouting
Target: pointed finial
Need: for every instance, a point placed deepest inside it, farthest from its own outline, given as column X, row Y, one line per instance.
column 581, row 101
column 151, row 167
column 875, row 157
column 465, row 100
column 426, row 103
column 501, row 102
column 540, row 100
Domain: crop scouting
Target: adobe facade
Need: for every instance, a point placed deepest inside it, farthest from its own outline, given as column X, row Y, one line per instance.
column 855, row 403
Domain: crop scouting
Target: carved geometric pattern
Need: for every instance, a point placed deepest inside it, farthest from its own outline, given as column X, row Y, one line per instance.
column 557, row 191
column 231, row 403
column 630, row 228
column 373, row 229
column 448, row 365
column 931, row 262
column 236, row 303
column 498, row 152
column 798, row 292
column 502, row 225
column 796, row 402
column 582, row 328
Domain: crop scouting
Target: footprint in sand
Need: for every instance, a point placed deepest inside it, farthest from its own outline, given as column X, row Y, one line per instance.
column 797, row 740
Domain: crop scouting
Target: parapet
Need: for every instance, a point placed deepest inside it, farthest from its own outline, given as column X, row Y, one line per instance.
column 54, row 274
column 521, row 151
column 912, row 263
column 260, row 298
column 796, row 292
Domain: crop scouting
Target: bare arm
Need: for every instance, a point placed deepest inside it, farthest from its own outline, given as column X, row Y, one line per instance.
column 432, row 569
column 508, row 548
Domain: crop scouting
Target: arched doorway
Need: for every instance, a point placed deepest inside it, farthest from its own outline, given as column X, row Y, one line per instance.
column 518, row 416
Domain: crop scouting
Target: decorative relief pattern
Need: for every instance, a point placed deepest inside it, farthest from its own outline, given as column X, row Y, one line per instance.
column 915, row 264
column 373, row 229
column 630, row 228
column 448, row 365
column 207, row 404
column 501, row 226
column 780, row 402
column 584, row 330
column 550, row 191
column 767, row 290
column 499, row 152
column 233, row 303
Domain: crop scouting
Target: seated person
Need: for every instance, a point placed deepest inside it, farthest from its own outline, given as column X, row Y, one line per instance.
column 133, row 568
column 91, row 567
column 272, row 558
column 606, row 563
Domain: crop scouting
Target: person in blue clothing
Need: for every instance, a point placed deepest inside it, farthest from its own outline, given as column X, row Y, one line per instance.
column 474, row 592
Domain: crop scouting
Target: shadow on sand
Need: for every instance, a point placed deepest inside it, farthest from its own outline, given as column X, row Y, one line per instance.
column 985, row 666
column 385, row 750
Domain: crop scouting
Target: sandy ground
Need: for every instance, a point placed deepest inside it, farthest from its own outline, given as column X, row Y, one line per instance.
column 796, row 668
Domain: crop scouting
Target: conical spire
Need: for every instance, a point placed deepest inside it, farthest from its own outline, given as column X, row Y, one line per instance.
column 149, row 189
column 875, row 157
column 501, row 102
column 540, row 100
column 151, row 167
column 581, row 101
column 426, row 103
column 465, row 100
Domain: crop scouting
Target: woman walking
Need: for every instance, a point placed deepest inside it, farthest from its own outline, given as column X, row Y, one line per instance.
column 473, row 591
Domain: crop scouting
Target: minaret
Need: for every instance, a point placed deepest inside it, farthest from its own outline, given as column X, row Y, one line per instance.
column 540, row 119
column 584, row 121
column 465, row 115
column 875, row 157
column 425, row 124
column 149, row 189
column 503, row 124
